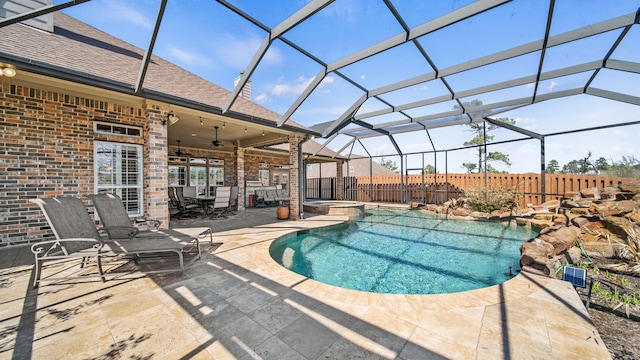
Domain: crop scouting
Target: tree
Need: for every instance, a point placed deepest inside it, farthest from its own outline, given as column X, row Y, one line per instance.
column 389, row 164
column 430, row 169
column 572, row 167
column 470, row 167
column 553, row 167
column 481, row 137
column 629, row 166
column 601, row 164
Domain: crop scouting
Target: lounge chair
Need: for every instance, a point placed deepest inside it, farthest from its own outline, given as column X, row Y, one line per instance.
column 114, row 217
column 117, row 224
column 77, row 236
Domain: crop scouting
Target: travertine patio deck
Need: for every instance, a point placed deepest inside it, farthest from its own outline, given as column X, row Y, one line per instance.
column 238, row 303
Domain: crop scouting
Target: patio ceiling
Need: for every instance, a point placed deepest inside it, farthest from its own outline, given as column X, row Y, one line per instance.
column 418, row 66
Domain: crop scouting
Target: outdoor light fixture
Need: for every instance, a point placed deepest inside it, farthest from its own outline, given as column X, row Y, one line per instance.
column 224, row 124
column 262, row 132
column 245, row 129
column 201, row 123
column 8, row 71
column 171, row 118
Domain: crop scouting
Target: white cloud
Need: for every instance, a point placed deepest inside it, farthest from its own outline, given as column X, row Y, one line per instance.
column 552, row 85
column 187, row 57
column 262, row 98
column 363, row 76
column 291, row 89
column 527, row 123
column 123, row 11
column 327, row 80
column 238, row 51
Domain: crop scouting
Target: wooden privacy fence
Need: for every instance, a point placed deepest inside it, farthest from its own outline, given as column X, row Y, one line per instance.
column 438, row 188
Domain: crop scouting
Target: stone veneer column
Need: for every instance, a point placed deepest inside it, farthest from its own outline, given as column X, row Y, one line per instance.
column 240, row 177
column 339, row 181
column 156, row 173
column 294, row 178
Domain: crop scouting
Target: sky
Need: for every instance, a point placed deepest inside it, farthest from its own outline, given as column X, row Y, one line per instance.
column 211, row 41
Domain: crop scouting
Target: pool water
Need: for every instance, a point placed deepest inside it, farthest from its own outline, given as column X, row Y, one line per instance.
column 406, row 252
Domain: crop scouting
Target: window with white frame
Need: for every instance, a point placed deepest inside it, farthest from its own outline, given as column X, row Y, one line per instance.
column 118, row 170
column 177, row 175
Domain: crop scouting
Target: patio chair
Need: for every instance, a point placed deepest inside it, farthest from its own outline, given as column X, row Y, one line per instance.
column 184, row 210
column 221, row 203
column 233, row 200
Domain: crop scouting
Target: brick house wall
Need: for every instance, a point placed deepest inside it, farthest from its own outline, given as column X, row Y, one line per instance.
column 47, row 150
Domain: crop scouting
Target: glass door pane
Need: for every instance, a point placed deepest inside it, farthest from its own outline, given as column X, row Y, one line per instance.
column 198, row 179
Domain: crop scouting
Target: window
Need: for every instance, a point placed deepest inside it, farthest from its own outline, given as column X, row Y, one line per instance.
column 281, row 178
column 216, row 178
column 118, row 170
column 117, row 129
column 177, row 175
column 263, row 176
column 198, row 179
column 280, row 175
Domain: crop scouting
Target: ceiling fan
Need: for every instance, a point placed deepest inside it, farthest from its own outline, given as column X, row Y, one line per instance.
column 179, row 152
column 216, row 142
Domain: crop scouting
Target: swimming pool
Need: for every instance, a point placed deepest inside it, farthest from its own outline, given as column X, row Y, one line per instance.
column 406, row 252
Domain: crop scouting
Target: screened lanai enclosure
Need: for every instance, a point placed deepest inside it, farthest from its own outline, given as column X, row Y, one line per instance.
column 391, row 80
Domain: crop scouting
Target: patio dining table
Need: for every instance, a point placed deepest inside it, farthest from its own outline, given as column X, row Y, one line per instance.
column 205, row 201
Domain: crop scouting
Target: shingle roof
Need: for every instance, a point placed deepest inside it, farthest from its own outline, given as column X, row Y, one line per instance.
column 357, row 167
column 93, row 54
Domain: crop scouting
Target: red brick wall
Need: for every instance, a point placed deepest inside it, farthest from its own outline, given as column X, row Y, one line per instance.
column 46, row 149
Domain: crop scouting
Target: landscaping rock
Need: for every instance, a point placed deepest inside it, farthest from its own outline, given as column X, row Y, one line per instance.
column 461, row 212
column 535, row 248
column 614, row 208
column 561, row 238
column 632, row 186
column 554, row 264
column 573, row 255
column 590, row 193
column 479, row 215
column 622, row 227
column 633, row 216
column 541, row 224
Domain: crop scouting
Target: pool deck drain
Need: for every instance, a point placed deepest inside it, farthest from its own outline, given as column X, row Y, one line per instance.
column 238, row 303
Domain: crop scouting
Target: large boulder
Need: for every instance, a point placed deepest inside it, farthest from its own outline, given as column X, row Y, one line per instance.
column 633, row 216
column 614, row 208
column 573, row 255
column 630, row 186
column 621, row 227
column 590, row 193
column 535, row 249
column 461, row 212
column 561, row 238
